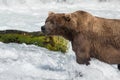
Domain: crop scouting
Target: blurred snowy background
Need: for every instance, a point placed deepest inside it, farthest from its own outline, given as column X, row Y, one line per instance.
column 29, row 62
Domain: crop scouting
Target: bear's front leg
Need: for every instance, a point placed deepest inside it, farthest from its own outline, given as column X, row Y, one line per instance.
column 82, row 56
column 81, row 47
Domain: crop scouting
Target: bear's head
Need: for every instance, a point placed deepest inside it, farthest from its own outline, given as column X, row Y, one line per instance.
column 66, row 25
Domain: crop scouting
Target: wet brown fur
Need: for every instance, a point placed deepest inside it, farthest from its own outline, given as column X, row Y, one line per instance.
column 90, row 36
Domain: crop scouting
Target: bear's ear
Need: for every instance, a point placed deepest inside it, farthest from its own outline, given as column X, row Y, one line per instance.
column 67, row 17
column 50, row 13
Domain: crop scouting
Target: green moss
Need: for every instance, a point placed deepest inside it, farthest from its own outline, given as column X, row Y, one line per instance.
column 54, row 43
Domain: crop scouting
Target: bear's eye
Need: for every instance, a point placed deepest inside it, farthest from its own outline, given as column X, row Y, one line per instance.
column 51, row 21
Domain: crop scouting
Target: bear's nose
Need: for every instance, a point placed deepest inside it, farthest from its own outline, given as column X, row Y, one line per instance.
column 43, row 28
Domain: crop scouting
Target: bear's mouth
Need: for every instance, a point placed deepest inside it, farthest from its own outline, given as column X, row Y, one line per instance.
column 45, row 32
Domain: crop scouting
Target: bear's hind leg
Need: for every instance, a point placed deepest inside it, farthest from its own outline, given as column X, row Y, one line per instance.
column 119, row 66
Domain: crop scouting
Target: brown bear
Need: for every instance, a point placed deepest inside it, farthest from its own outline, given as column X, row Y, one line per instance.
column 90, row 36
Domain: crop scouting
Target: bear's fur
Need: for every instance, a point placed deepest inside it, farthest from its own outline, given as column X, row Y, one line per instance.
column 90, row 36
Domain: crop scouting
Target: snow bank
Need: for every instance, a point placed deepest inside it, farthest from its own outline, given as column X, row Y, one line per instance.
column 23, row 62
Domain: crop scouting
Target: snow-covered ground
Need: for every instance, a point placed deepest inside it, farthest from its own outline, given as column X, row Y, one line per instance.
column 29, row 62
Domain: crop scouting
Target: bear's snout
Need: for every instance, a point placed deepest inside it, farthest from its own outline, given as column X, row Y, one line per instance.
column 43, row 28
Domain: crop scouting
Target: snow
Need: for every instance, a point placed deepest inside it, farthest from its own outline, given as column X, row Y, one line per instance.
column 29, row 62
